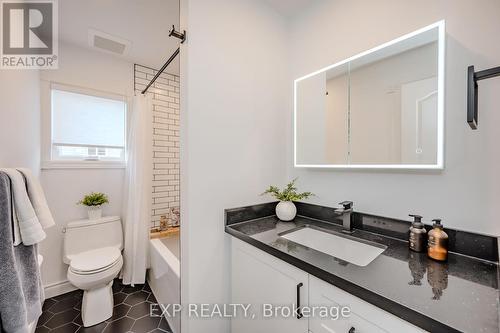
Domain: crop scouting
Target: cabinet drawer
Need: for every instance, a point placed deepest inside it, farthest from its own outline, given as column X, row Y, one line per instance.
column 352, row 324
column 364, row 318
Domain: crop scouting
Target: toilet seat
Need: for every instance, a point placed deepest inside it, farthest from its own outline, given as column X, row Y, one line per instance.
column 95, row 261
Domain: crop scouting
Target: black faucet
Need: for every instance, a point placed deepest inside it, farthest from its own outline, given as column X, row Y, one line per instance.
column 346, row 213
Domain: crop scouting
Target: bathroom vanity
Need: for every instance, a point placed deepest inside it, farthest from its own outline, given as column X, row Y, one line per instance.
column 379, row 109
column 387, row 287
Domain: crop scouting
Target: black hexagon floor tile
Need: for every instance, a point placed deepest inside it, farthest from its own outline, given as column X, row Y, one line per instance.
column 121, row 325
column 93, row 329
column 64, row 296
column 164, row 325
column 117, row 286
column 67, row 328
column 152, row 298
column 146, row 324
column 64, row 305
column 62, row 318
column 119, row 311
column 78, row 306
column 137, row 297
column 139, row 310
column 45, row 317
column 119, row 298
column 78, row 320
column 61, row 314
column 48, row 303
column 42, row 329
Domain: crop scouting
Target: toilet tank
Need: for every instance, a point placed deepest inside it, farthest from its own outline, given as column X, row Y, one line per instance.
column 86, row 235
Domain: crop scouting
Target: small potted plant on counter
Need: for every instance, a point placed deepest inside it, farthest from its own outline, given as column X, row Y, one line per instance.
column 285, row 209
column 93, row 202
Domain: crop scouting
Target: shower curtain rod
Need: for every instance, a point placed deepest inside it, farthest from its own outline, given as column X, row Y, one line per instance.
column 165, row 65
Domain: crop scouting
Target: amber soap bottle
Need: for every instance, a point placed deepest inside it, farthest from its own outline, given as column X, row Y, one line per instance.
column 437, row 248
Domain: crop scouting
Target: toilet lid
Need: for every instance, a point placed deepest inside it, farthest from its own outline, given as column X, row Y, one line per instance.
column 95, row 260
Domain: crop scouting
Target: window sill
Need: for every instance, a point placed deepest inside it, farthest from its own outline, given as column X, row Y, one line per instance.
column 47, row 165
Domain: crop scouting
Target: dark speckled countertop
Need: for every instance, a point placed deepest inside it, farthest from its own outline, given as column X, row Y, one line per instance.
column 460, row 295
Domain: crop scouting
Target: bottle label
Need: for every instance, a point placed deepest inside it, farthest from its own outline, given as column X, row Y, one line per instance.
column 437, row 248
column 416, row 241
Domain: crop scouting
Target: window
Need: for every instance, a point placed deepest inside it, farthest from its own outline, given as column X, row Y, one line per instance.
column 87, row 127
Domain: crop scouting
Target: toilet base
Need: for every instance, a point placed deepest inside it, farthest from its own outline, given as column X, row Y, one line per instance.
column 97, row 305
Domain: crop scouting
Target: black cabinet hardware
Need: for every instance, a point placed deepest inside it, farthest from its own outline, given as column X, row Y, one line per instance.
column 299, row 311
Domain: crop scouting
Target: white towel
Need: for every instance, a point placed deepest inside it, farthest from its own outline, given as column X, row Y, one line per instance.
column 37, row 198
column 30, row 229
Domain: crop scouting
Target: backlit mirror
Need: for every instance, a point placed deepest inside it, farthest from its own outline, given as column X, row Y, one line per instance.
column 382, row 108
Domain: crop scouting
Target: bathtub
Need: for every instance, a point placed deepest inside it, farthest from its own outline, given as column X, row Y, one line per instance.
column 164, row 274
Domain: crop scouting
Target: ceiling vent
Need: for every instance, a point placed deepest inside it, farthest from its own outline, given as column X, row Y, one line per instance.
column 108, row 43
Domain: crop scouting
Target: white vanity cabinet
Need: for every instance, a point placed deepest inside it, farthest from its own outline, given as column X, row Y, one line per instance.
column 259, row 278
column 364, row 317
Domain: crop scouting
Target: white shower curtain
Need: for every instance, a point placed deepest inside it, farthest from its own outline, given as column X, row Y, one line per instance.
column 137, row 195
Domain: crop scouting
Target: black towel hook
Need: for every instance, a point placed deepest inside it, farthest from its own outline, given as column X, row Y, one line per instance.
column 472, row 78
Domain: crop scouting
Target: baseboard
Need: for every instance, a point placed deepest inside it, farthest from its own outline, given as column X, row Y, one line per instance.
column 58, row 288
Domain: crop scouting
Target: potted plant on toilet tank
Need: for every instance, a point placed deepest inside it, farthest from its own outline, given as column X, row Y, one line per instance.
column 93, row 202
column 285, row 209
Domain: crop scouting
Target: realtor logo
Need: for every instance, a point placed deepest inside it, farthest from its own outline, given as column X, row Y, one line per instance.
column 29, row 34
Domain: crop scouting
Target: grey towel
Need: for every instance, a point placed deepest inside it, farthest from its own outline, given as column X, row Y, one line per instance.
column 21, row 293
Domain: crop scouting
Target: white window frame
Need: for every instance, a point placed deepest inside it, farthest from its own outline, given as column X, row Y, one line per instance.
column 47, row 146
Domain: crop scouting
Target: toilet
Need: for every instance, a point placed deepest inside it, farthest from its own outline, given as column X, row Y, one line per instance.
column 92, row 249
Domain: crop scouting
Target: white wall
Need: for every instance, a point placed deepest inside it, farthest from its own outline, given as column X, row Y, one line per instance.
column 466, row 194
column 233, row 143
column 20, row 119
column 64, row 187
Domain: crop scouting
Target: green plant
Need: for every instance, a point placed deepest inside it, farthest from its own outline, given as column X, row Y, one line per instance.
column 289, row 193
column 94, row 199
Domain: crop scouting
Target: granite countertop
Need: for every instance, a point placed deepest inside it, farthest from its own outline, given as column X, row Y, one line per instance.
column 460, row 295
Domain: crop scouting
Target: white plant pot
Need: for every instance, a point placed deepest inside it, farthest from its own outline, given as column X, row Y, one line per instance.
column 95, row 212
column 286, row 210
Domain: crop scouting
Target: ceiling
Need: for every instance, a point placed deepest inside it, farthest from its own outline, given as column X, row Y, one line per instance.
column 145, row 24
column 290, row 8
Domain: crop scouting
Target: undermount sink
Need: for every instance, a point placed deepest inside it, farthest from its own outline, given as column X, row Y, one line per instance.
column 347, row 248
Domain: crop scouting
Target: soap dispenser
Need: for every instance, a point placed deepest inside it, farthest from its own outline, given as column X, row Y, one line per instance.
column 437, row 248
column 417, row 234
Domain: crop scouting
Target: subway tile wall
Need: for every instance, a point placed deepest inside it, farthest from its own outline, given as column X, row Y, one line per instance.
column 166, row 172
